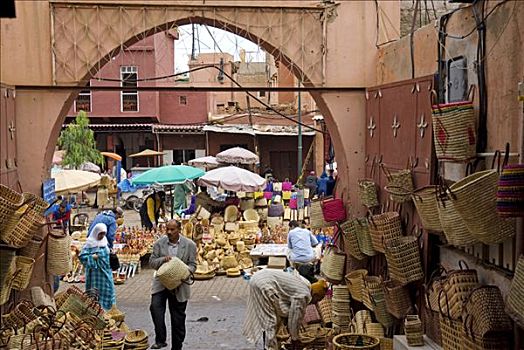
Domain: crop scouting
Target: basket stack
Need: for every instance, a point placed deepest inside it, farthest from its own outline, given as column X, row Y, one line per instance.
column 341, row 308
column 413, row 330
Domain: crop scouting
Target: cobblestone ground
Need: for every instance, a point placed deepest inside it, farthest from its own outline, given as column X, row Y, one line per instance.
column 222, row 300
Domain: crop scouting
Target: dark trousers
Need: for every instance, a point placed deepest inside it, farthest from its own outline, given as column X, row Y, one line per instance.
column 177, row 312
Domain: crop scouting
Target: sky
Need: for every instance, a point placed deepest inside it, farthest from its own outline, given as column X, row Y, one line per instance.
column 227, row 42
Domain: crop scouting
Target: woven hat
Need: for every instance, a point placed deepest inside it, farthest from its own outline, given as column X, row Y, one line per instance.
column 231, row 213
column 261, row 202
column 233, row 272
column 251, row 215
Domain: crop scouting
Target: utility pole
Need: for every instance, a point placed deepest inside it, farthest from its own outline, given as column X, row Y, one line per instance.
column 193, row 57
column 299, row 131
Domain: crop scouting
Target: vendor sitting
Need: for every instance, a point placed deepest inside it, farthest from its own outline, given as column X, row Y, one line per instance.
column 276, row 295
column 300, row 242
column 62, row 213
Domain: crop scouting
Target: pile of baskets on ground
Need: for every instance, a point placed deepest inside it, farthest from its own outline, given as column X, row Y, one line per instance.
column 74, row 320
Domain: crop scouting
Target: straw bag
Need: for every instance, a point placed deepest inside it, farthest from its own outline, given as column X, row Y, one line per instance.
column 510, row 191
column 333, row 209
column 10, row 202
column 456, row 288
column 316, row 217
column 325, row 308
column 452, row 330
column 474, row 198
column 431, row 307
column 361, row 231
column 367, row 189
column 400, row 179
column 515, row 298
column 413, row 330
column 58, row 253
column 24, row 265
column 231, row 213
column 29, row 222
column 425, row 200
column 403, row 258
column 485, row 306
column 173, row 273
column 383, row 228
column 32, row 248
column 355, row 283
column 333, row 265
column 381, row 311
column 41, row 298
column 398, row 302
column 454, row 130
column 371, row 290
column 350, row 240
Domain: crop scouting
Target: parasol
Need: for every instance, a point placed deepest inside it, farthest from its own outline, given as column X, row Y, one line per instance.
column 208, row 161
column 237, row 155
column 232, row 178
column 73, row 181
column 146, row 153
column 168, row 174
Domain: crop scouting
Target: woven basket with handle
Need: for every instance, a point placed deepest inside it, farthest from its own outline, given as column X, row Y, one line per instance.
column 413, row 330
column 172, row 273
column 355, row 341
column 474, row 197
column 383, row 228
column 400, row 179
column 59, row 258
column 372, row 289
column 355, row 283
column 10, row 202
column 452, row 330
column 24, row 265
column 455, row 229
column 316, row 217
column 456, row 287
column 403, row 257
column 350, row 239
column 333, row 265
column 398, row 302
column 365, row 242
column 425, row 200
column 32, row 247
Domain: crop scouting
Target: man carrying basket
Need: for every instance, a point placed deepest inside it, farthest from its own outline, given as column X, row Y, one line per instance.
column 174, row 258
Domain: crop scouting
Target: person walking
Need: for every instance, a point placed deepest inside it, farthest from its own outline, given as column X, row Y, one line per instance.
column 276, row 295
column 300, row 242
column 322, row 185
column 112, row 219
column 152, row 208
column 173, row 244
column 311, row 184
column 95, row 258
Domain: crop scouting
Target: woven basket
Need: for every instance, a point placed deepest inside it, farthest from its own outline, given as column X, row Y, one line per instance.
column 433, row 288
column 355, row 283
column 360, row 320
column 231, row 213
column 372, row 289
column 20, row 315
column 350, row 240
column 515, row 298
column 425, row 200
column 456, row 287
column 24, row 265
column 229, row 261
column 403, row 257
column 7, row 263
column 325, row 308
column 474, row 198
column 383, row 228
column 316, row 217
column 251, row 215
column 432, row 325
column 367, row 192
column 485, row 307
column 40, row 205
column 58, row 254
column 365, row 243
column 10, row 202
column 311, row 315
column 355, row 341
column 454, row 131
column 27, row 225
column 398, row 302
column 374, row 330
column 333, row 265
column 455, row 229
column 32, row 248
column 452, row 330
column 386, row 344
column 399, row 179
column 413, row 330
column 381, row 311
column 510, row 191
column 172, row 273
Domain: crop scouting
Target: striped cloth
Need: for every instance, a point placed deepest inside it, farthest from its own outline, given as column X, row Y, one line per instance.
column 510, row 194
column 273, row 295
column 99, row 275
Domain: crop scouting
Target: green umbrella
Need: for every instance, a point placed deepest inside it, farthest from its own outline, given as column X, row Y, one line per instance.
column 169, row 174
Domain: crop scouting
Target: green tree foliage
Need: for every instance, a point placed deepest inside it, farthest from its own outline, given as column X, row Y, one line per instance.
column 79, row 143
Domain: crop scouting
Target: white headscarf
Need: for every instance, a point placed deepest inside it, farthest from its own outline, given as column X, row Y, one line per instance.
column 92, row 240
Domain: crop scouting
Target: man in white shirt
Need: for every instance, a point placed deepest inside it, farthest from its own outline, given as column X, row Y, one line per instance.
column 300, row 242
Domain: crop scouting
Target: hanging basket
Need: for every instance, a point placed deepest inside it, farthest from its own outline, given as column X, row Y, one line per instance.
column 32, row 248
column 455, row 229
column 403, row 258
column 510, row 191
column 425, row 200
column 381, row 311
column 372, row 289
column 515, row 299
column 316, row 217
column 355, row 283
column 456, row 287
column 474, row 198
column 452, row 330
column 27, row 225
column 10, row 202
column 398, row 302
column 365, row 243
column 367, row 192
column 58, row 254
column 24, row 265
column 399, row 179
column 383, row 228
column 350, row 239
column 454, row 130
column 333, row 265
